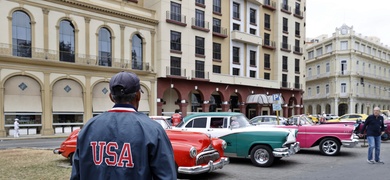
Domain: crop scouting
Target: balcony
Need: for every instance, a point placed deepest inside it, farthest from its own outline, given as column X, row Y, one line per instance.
column 200, row 25
column 175, row 18
column 297, row 33
column 200, row 75
column 284, row 84
column 298, row 50
column 39, row 55
column 298, row 13
column 285, row 8
column 271, row 5
column 220, row 31
column 217, row 10
column 285, row 47
column 176, row 72
column 257, row 2
column 297, row 86
column 246, row 38
column 269, row 44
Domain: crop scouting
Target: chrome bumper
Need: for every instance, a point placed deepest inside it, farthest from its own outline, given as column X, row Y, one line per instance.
column 211, row 166
column 56, row 151
column 350, row 143
column 286, row 152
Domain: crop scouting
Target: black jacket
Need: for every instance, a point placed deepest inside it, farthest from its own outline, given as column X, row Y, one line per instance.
column 374, row 125
column 123, row 144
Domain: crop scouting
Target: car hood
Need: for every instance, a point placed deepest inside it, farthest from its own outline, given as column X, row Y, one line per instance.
column 195, row 139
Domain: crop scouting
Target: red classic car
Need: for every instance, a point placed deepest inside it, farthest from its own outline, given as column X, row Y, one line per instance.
column 195, row 153
column 329, row 137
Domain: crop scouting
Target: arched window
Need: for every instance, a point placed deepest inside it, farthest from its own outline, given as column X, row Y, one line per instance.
column 21, row 34
column 67, row 41
column 104, row 47
column 136, row 53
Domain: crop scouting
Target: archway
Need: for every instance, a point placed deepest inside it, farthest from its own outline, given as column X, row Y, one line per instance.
column 170, row 101
column 343, row 109
column 195, row 101
column 362, row 109
column 22, row 100
column 234, row 102
column 356, row 108
column 68, row 106
column 309, row 109
column 291, row 106
column 318, row 109
column 215, row 102
column 328, row 109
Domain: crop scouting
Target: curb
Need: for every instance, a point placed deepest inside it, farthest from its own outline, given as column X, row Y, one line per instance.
column 34, row 137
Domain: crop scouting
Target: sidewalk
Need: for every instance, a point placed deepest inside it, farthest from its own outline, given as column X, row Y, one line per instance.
column 35, row 136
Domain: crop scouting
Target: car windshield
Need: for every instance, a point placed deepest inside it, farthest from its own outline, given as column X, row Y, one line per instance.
column 163, row 123
column 239, row 122
column 306, row 120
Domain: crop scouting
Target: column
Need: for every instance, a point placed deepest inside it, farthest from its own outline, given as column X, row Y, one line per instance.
column 122, row 38
column 2, row 121
column 225, row 107
column 243, row 108
column 205, row 107
column 45, row 29
column 87, row 99
column 153, row 97
column 351, row 107
column 87, row 41
column 47, row 101
column 336, row 106
column 183, row 109
column 159, row 108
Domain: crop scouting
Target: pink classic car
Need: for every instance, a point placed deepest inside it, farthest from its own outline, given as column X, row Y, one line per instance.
column 329, row 137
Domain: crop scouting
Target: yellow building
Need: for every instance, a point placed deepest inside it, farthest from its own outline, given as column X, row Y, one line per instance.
column 56, row 58
column 219, row 55
column 347, row 73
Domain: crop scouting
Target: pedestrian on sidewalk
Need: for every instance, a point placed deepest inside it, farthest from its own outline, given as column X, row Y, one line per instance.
column 16, row 128
column 374, row 127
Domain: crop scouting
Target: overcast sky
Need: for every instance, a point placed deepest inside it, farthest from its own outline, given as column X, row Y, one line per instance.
column 370, row 18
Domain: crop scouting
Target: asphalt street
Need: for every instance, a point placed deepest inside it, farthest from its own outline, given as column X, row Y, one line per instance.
column 44, row 143
column 308, row 164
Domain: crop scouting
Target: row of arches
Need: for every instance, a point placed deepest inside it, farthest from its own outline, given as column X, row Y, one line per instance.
column 24, row 99
column 344, row 108
column 22, row 40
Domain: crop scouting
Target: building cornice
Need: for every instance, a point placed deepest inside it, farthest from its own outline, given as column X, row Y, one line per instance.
column 111, row 12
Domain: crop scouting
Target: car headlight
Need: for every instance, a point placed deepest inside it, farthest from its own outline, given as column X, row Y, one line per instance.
column 193, row 152
column 224, row 144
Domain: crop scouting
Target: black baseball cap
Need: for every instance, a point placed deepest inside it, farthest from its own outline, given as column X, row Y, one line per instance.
column 124, row 83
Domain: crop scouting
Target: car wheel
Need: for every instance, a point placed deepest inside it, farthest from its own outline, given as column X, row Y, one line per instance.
column 329, row 146
column 262, row 156
column 71, row 158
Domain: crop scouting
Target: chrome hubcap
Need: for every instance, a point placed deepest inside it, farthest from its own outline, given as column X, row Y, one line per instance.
column 329, row 147
column 261, row 156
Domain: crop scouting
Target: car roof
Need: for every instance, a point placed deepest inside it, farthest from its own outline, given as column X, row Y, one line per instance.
column 215, row 114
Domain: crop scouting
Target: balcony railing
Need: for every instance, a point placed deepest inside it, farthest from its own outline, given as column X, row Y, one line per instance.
column 220, row 31
column 297, row 86
column 284, row 84
column 269, row 4
column 285, row 8
column 217, row 9
column 298, row 13
column 298, row 50
column 267, row 25
column 175, row 46
column 176, row 71
column 199, row 50
column 200, row 74
column 285, row 46
column 200, row 24
column 77, row 58
column 297, row 33
column 269, row 44
column 176, row 18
